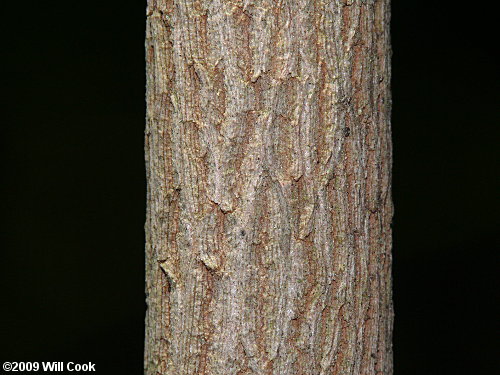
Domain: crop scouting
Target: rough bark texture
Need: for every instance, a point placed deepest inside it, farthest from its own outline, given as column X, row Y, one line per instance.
column 269, row 206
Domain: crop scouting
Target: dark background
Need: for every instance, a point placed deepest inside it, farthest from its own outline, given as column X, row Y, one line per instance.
column 73, row 185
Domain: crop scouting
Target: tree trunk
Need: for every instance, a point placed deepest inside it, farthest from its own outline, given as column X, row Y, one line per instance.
column 268, row 239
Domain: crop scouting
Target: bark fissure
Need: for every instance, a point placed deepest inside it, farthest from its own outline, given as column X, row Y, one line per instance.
column 268, row 158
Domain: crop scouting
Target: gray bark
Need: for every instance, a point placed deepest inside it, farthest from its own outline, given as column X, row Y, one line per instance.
column 268, row 151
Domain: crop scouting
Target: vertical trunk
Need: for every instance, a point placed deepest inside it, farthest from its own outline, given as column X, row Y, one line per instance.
column 268, row 162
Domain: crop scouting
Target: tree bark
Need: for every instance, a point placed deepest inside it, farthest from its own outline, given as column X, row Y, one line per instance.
column 268, row 152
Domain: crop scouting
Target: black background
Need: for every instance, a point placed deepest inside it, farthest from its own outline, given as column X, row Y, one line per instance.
column 73, row 185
